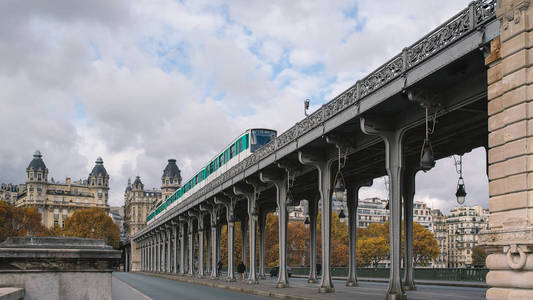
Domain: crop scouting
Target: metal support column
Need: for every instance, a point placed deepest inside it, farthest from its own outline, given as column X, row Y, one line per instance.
column 393, row 139
column 182, row 248
column 191, row 246
column 352, row 201
column 251, row 196
column 169, row 250
column 323, row 166
column 244, row 233
column 313, row 214
column 408, row 191
column 280, row 182
column 262, row 224
column 214, row 271
column 175, row 250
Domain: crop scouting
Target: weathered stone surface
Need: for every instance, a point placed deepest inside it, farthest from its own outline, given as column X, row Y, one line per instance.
column 509, row 294
column 511, row 279
column 10, row 293
column 57, row 254
column 498, row 261
column 58, row 268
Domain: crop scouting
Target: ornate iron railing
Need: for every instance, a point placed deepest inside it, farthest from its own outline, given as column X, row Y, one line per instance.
column 474, row 16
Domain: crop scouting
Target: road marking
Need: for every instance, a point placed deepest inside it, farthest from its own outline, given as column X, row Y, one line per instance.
column 134, row 289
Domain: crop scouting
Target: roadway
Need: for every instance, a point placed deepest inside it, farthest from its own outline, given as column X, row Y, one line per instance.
column 132, row 286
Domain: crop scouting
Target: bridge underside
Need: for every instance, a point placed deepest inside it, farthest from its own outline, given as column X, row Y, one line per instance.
column 380, row 134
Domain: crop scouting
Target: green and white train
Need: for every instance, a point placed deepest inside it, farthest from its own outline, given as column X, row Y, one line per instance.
column 246, row 144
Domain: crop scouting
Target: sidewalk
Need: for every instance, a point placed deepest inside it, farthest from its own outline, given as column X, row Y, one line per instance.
column 301, row 290
column 475, row 284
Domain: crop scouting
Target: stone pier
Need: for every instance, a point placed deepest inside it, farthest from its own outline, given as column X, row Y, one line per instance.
column 58, row 268
column 510, row 156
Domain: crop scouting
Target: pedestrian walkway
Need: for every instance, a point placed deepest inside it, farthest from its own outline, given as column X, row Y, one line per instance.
column 300, row 289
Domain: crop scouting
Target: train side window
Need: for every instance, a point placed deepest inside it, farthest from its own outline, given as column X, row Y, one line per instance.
column 232, row 151
column 239, row 145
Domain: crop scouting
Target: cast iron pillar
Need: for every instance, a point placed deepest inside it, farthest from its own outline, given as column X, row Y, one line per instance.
column 323, row 165
column 408, row 191
column 229, row 203
column 175, row 250
column 251, row 196
column 279, row 180
column 182, row 247
column 313, row 214
column 213, row 219
column 262, row 224
column 244, row 232
column 158, row 251
column 393, row 139
column 352, row 201
column 169, row 249
column 190, row 240
column 201, row 228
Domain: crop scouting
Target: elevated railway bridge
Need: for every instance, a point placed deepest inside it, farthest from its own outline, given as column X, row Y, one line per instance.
column 471, row 74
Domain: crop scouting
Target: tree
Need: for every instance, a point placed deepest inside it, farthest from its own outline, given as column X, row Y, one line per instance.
column 479, row 255
column 93, row 223
column 371, row 250
column 425, row 246
column 20, row 221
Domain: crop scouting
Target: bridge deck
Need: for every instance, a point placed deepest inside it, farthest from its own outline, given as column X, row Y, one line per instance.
column 157, row 287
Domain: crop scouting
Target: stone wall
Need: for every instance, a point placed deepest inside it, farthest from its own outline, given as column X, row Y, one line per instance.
column 58, row 268
column 510, row 157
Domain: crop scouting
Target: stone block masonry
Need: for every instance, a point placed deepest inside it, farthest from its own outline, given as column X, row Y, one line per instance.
column 58, row 268
column 510, row 156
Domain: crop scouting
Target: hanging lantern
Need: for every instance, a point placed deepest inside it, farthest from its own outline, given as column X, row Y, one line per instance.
column 427, row 161
column 290, row 198
column 342, row 215
column 307, row 221
column 461, row 192
column 339, row 189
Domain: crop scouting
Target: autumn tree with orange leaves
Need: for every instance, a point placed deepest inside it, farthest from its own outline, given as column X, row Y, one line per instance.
column 93, row 223
column 20, row 221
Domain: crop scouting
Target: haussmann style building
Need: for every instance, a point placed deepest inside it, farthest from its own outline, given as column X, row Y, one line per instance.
column 139, row 202
column 56, row 201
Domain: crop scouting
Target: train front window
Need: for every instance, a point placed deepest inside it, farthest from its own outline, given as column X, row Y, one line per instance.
column 262, row 137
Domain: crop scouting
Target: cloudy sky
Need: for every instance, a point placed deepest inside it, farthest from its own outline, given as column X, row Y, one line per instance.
column 138, row 82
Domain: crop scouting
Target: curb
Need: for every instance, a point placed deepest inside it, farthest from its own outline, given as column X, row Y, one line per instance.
column 423, row 282
column 250, row 291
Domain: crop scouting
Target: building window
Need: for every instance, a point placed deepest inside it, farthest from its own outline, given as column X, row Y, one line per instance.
column 39, row 176
column 99, row 181
column 56, row 222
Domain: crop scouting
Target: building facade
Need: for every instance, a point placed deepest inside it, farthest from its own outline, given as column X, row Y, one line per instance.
column 56, row 201
column 9, row 192
column 439, row 231
column 372, row 210
column 422, row 215
column 139, row 202
column 463, row 226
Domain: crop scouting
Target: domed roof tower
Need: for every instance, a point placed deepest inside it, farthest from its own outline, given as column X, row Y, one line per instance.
column 171, row 179
column 99, row 176
column 137, row 184
column 99, row 182
column 36, row 170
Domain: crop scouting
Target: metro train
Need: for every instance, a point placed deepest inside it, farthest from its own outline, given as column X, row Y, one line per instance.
column 244, row 145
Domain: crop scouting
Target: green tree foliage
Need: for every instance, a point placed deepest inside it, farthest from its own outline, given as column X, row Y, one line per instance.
column 93, row 223
column 20, row 221
column 479, row 255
